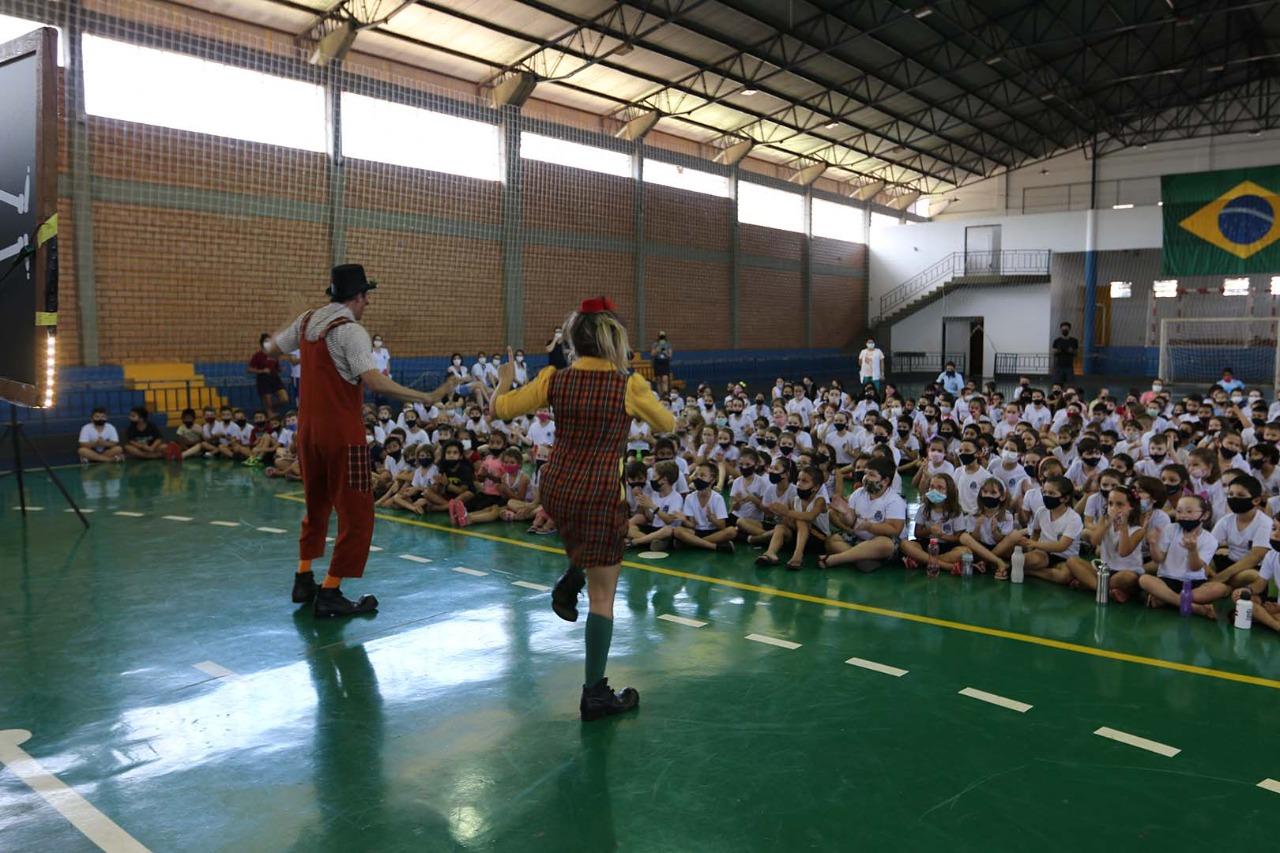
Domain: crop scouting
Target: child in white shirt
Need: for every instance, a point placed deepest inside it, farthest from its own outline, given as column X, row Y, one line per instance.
column 1183, row 553
column 1056, row 528
column 1117, row 537
column 994, row 531
column 875, row 518
column 705, row 523
column 939, row 518
column 804, row 520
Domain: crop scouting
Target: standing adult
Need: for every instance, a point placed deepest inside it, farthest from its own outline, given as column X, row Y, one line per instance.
column 1065, row 348
column 381, row 361
column 951, row 380
column 594, row 401
column 337, row 361
column 661, row 353
column 267, row 372
column 871, row 365
column 556, row 356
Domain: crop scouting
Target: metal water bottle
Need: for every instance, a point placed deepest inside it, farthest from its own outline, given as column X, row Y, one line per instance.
column 1016, row 564
column 1184, row 599
column 966, row 565
column 1104, row 581
column 932, row 567
column 1244, row 610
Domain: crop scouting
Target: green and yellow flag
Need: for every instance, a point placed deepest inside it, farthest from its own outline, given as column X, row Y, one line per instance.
column 1225, row 222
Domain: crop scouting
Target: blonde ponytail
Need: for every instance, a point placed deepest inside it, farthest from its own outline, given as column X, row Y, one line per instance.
column 599, row 335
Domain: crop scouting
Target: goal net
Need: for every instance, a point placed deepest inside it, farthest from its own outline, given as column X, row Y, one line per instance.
column 1196, row 350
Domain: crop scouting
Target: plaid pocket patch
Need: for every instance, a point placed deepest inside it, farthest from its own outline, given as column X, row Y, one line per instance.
column 359, row 478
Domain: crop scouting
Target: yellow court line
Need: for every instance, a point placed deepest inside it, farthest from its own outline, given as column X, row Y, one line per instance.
column 863, row 608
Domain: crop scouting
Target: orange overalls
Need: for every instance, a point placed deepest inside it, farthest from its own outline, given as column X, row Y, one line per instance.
column 334, row 458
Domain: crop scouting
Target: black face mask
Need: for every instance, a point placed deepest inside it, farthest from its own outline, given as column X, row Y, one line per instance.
column 241, row 421
column 904, row 430
column 425, row 461
column 1091, row 461
column 786, row 451
column 1275, row 544
column 726, row 444
column 1158, row 457
column 947, row 434
column 967, row 458
column 1188, row 524
column 841, row 427
column 410, row 424
column 746, row 470
column 1107, row 449
column 881, row 439
column 656, row 485
column 823, row 458
column 858, row 475
column 1227, row 453
column 989, row 501
column 775, row 477
column 793, row 428
column 770, row 442
column 1031, row 470
column 1240, row 505
column 394, row 454
column 1052, row 502
column 804, row 494
column 700, row 485
column 1255, row 462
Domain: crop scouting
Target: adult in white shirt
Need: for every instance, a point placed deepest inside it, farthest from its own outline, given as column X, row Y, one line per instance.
column 871, row 366
column 99, row 441
column 381, row 356
column 800, row 405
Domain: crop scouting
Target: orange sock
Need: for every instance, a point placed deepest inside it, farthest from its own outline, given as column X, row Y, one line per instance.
column 304, row 566
column 331, row 582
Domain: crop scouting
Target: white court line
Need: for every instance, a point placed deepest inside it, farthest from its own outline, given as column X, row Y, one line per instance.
column 208, row 667
column 375, row 548
column 463, row 570
column 530, row 585
column 130, row 514
column 95, row 826
column 272, row 530
column 328, row 538
column 176, row 517
column 1140, row 742
column 225, row 523
column 683, row 620
column 83, row 509
column 877, row 667
column 414, row 558
column 30, row 508
column 1270, row 785
column 772, row 641
column 984, row 696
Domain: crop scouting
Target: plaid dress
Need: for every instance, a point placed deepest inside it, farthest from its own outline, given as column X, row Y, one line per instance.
column 581, row 485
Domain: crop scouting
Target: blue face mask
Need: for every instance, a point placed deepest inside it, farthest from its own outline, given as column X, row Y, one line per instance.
column 935, row 497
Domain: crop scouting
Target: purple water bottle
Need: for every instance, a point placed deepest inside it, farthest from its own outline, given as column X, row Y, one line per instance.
column 1184, row 600
column 932, row 569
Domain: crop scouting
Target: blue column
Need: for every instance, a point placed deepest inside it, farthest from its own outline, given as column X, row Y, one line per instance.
column 1090, row 287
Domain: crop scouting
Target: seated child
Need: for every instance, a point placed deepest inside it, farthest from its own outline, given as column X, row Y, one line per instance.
column 779, row 490
column 422, row 494
column 1266, row 613
column 661, row 507
column 939, row 518
column 189, row 437
column 1054, row 534
column 746, row 507
column 1117, row 538
column 994, row 531
column 875, row 517
column 1243, row 534
column 804, row 520
column 1183, row 553
column 705, row 523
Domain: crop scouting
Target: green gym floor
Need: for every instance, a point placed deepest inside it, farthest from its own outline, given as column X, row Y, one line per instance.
column 164, row 676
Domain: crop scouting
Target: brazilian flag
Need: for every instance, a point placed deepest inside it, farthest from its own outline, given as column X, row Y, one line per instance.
column 1225, row 222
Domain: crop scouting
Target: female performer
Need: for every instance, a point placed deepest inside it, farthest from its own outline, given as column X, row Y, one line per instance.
column 581, row 486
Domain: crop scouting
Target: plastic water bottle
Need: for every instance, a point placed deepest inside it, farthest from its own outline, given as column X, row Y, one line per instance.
column 1104, row 581
column 932, row 568
column 1016, row 565
column 1244, row 610
column 966, row 565
column 1184, row 599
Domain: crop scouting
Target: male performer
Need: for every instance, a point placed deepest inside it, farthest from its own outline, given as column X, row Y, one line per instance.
column 337, row 362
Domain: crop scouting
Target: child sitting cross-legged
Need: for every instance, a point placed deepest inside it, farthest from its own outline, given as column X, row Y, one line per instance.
column 994, row 531
column 705, row 523
column 1265, row 613
column 421, row 495
column 459, row 480
column 939, row 518
column 1117, row 537
column 661, row 509
column 875, row 516
column 1184, row 551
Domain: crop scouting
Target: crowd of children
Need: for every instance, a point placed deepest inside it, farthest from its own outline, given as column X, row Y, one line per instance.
column 1165, row 490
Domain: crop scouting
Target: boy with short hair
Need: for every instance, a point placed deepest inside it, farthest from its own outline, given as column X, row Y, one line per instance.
column 99, row 441
column 142, row 438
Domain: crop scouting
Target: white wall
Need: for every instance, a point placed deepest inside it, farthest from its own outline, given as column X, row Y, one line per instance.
column 898, row 252
column 1016, row 318
column 1131, row 175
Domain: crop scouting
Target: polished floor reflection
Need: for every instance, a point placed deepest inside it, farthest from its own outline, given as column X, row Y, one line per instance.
column 448, row 720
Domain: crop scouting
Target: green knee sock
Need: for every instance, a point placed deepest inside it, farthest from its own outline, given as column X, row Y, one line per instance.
column 599, row 636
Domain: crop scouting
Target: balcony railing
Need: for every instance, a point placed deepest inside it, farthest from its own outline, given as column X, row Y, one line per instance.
column 1006, row 262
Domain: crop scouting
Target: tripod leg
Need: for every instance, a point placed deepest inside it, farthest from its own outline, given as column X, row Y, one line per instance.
column 52, row 476
column 14, row 427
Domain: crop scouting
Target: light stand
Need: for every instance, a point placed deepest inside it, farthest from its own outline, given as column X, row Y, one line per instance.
column 16, row 434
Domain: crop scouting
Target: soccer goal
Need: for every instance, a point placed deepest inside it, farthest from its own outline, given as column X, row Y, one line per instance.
column 1195, row 350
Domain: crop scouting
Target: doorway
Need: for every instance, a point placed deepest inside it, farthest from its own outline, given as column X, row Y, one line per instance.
column 982, row 250
column 964, row 341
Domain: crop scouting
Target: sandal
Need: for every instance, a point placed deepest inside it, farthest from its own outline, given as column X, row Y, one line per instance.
column 910, row 564
column 1119, row 596
column 1002, row 573
column 766, row 560
column 794, row 566
column 822, row 561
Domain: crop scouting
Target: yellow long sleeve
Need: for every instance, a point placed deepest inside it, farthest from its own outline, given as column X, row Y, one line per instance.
column 642, row 404
column 527, row 398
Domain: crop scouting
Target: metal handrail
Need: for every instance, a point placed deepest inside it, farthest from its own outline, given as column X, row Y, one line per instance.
column 1003, row 262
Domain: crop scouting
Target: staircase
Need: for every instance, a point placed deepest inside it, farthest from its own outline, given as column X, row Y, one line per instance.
column 963, row 269
column 170, row 387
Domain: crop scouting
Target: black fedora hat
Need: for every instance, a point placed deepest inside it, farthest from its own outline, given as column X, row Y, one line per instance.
column 347, row 281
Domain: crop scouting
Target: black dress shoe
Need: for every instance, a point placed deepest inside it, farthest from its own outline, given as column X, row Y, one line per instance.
column 564, row 598
column 304, row 588
column 331, row 602
column 599, row 701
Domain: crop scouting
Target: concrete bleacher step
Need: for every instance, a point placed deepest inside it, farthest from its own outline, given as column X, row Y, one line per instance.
column 170, row 387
